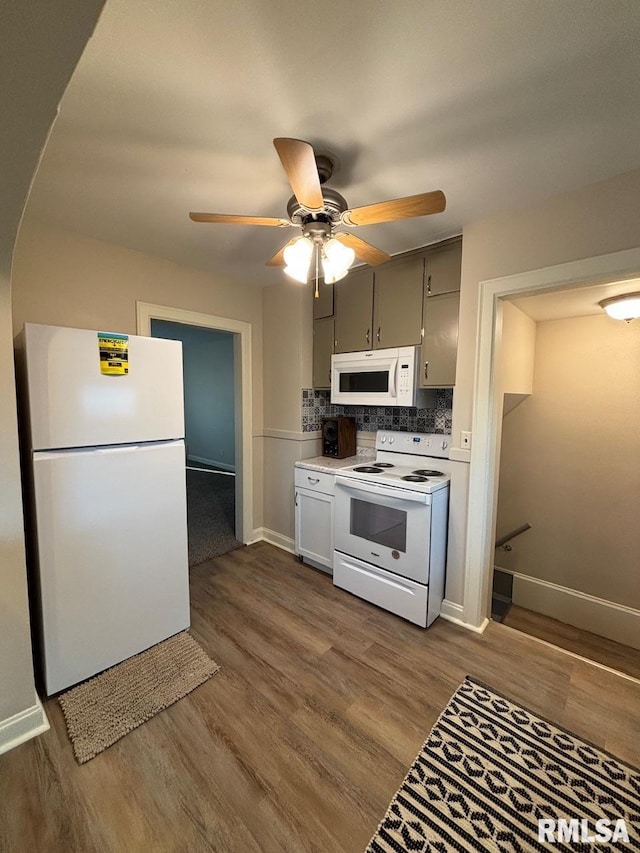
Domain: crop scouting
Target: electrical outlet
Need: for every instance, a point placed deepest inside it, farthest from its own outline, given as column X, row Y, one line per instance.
column 465, row 442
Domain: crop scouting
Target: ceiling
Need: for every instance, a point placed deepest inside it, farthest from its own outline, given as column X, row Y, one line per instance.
column 580, row 301
column 174, row 105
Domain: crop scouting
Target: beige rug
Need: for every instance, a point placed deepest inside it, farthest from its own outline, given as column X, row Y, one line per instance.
column 102, row 710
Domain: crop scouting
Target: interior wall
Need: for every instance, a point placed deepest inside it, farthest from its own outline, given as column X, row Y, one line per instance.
column 595, row 220
column 287, row 367
column 517, row 350
column 40, row 45
column 569, row 461
column 209, row 392
column 65, row 279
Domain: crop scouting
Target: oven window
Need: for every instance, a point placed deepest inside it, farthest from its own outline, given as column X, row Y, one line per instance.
column 365, row 382
column 380, row 524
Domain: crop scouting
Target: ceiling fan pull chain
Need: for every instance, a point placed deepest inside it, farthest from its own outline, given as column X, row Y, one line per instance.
column 317, row 256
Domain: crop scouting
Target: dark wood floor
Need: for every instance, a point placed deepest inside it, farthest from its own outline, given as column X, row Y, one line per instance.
column 299, row 743
column 596, row 648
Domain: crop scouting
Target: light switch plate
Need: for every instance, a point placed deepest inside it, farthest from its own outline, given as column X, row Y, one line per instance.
column 465, row 440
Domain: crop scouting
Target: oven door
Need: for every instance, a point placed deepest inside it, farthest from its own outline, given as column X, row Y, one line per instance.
column 386, row 526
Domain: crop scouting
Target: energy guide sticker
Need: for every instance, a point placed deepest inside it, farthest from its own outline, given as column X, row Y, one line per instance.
column 114, row 354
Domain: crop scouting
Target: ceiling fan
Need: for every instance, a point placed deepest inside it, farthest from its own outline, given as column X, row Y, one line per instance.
column 320, row 212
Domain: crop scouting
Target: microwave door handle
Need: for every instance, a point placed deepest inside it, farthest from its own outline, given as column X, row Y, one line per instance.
column 392, row 377
column 381, row 491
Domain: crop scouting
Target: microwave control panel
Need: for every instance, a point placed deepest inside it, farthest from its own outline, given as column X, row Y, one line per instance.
column 406, row 379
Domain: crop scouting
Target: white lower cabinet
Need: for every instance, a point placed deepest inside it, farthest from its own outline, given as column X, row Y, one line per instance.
column 314, row 518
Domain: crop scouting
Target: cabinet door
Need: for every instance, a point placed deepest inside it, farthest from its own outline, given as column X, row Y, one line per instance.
column 314, row 527
column 440, row 344
column 323, row 305
column 443, row 270
column 354, row 312
column 322, row 351
column 398, row 304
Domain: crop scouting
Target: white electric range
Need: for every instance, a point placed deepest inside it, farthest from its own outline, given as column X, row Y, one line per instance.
column 390, row 525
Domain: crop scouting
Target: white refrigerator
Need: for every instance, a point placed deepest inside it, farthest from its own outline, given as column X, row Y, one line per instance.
column 109, row 497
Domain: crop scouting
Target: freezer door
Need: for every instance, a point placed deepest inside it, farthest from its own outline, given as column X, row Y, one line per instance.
column 72, row 404
column 112, row 546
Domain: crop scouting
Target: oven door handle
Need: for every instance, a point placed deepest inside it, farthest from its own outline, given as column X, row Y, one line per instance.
column 381, row 491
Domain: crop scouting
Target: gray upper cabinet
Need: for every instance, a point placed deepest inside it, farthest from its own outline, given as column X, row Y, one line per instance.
column 322, row 351
column 397, row 312
column 442, row 274
column 354, row 311
column 440, row 343
column 323, row 305
column 411, row 301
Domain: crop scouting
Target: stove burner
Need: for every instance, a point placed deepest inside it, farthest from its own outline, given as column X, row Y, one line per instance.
column 426, row 472
column 412, row 478
column 368, row 469
column 384, row 465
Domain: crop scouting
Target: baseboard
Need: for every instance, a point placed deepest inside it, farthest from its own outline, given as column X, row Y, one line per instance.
column 597, row 615
column 264, row 534
column 23, row 726
column 453, row 612
column 214, row 462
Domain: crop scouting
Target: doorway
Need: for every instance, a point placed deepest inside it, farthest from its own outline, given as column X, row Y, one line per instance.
column 567, row 538
column 233, row 469
column 209, row 413
column 487, row 420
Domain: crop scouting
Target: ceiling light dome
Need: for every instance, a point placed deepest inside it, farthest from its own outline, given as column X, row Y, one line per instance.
column 623, row 307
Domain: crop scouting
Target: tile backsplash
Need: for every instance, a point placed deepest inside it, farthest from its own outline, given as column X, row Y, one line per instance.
column 317, row 405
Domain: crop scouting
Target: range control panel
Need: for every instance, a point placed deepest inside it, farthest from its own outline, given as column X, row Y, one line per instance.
column 419, row 444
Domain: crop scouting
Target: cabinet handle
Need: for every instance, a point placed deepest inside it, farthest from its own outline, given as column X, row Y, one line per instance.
column 368, row 337
column 429, row 285
column 426, row 370
column 295, row 499
column 378, row 335
column 314, row 480
column 329, row 377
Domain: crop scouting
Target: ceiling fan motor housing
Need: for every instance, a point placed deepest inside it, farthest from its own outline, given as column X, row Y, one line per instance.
column 334, row 206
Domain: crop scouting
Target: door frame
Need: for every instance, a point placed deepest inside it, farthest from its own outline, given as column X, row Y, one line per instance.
column 487, row 410
column 145, row 313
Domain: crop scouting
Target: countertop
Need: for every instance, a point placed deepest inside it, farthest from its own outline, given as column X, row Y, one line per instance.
column 330, row 466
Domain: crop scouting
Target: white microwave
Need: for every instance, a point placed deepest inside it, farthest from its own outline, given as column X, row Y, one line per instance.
column 382, row 377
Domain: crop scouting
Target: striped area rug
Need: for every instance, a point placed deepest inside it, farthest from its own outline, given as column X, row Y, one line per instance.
column 491, row 770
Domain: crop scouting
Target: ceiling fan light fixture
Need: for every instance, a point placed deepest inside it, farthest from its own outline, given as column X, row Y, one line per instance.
column 336, row 260
column 297, row 274
column 623, row 307
column 338, row 254
column 297, row 257
column 330, row 274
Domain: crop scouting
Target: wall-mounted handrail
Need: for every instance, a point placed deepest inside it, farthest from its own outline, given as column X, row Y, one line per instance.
column 502, row 541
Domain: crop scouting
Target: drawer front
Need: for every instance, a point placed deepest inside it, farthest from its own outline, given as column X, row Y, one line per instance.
column 316, row 481
column 398, row 595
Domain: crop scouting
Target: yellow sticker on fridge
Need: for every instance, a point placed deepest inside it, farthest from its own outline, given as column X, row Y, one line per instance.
column 114, row 354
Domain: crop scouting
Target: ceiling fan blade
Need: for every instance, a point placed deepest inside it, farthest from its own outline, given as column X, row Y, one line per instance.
column 299, row 163
column 278, row 259
column 365, row 251
column 399, row 208
column 239, row 220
